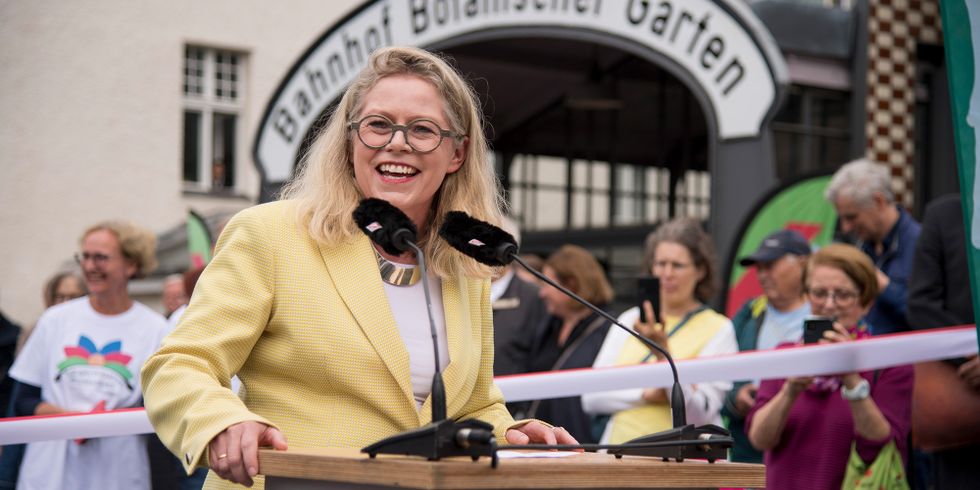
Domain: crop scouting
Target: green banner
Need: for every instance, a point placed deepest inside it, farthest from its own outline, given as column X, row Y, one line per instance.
column 199, row 242
column 961, row 39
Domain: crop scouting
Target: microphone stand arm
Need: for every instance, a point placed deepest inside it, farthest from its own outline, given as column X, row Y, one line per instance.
column 443, row 437
column 677, row 393
column 716, row 439
column 438, row 388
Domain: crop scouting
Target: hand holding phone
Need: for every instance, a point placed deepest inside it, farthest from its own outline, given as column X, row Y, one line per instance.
column 814, row 327
column 648, row 289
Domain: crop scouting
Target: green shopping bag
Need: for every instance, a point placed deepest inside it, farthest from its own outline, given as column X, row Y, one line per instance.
column 886, row 472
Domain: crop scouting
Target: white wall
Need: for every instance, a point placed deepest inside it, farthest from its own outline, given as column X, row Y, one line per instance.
column 90, row 95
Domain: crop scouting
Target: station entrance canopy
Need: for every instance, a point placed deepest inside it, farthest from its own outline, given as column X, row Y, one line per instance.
column 718, row 49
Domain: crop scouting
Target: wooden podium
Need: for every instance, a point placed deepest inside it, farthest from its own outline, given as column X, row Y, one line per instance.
column 347, row 468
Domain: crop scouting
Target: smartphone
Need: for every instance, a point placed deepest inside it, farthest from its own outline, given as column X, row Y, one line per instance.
column 814, row 327
column 648, row 289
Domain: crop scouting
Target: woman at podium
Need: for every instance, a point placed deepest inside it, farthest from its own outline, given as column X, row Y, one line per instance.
column 327, row 332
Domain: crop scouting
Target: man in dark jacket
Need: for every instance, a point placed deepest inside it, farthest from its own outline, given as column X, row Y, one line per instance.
column 861, row 193
column 517, row 314
column 10, row 456
column 766, row 321
column 9, row 332
column 940, row 295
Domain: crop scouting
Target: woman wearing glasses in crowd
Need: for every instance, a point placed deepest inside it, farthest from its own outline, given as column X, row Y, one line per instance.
column 327, row 332
column 680, row 253
column 806, row 425
column 85, row 356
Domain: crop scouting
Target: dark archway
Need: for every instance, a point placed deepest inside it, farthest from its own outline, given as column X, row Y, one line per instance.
column 595, row 111
column 695, row 86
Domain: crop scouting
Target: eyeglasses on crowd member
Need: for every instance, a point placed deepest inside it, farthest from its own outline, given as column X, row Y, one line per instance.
column 807, row 425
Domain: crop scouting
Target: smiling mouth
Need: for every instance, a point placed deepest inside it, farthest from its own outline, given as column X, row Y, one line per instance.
column 397, row 171
column 95, row 276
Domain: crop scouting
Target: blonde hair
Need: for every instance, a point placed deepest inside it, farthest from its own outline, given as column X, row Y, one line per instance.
column 136, row 243
column 325, row 188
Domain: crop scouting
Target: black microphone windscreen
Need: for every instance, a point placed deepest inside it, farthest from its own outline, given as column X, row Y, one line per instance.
column 478, row 239
column 382, row 222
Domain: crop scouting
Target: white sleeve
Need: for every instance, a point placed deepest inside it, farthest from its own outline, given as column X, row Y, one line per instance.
column 704, row 400
column 29, row 365
column 174, row 319
column 613, row 345
column 609, row 402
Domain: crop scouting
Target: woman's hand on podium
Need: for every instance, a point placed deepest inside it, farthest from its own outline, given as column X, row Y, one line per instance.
column 538, row 433
column 234, row 453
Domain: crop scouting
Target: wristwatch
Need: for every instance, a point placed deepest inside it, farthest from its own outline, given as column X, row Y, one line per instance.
column 860, row 391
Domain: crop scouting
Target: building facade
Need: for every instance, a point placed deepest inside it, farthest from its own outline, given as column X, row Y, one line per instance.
column 98, row 100
column 144, row 111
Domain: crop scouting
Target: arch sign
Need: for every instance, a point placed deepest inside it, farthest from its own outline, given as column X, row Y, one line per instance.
column 720, row 44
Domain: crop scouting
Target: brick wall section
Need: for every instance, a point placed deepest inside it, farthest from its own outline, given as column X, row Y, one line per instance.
column 895, row 27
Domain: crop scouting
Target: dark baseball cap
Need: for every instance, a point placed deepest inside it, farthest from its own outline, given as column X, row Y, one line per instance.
column 777, row 244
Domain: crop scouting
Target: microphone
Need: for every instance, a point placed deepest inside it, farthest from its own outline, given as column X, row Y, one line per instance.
column 492, row 246
column 387, row 226
column 495, row 247
column 395, row 233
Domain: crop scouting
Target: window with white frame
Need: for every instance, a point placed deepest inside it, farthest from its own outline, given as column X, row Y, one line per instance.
column 213, row 89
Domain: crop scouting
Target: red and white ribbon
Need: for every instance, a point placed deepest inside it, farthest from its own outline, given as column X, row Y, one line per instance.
column 123, row 422
column 859, row 355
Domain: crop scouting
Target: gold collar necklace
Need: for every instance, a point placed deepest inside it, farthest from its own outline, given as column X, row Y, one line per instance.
column 397, row 274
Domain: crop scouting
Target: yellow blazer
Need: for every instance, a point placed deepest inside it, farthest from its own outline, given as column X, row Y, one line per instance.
column 309, row 332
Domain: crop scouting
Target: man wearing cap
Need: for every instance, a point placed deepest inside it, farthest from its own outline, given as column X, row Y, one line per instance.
column 766, row 321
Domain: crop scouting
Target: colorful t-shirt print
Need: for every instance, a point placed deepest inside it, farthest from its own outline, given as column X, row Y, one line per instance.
column 110, row 357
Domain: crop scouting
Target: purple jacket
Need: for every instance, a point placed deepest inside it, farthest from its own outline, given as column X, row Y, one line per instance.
column 816, row 441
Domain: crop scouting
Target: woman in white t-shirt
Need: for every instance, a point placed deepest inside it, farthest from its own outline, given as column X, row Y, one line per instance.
column 85, row 355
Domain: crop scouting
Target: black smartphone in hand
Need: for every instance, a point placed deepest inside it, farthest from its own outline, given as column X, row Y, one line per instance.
column 814, row 327
column 648, row 289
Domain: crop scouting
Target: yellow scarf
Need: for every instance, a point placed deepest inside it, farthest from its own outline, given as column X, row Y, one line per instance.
column 685, row 343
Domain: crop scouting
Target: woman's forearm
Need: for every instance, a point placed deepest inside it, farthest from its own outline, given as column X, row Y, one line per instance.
column 45, row 408
column 869, row 422
column 770, row 420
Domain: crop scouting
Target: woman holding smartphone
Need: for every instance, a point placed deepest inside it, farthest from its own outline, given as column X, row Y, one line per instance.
column 680, row 254
column 807, row 425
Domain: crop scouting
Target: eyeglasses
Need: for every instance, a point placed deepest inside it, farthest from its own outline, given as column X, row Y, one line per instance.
column 97, row 259
column 842, row 297
column 61, row 298
column 422, row 135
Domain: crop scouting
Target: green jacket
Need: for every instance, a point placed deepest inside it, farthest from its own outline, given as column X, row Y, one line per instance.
column 747, row 322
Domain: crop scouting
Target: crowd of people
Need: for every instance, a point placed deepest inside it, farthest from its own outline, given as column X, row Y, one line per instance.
column 292, row 285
